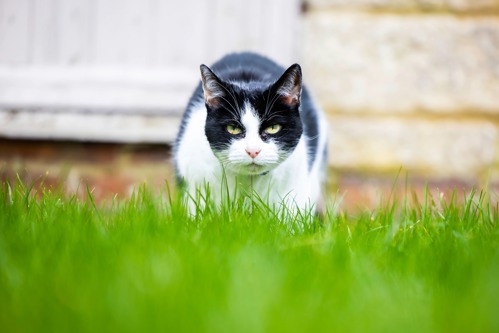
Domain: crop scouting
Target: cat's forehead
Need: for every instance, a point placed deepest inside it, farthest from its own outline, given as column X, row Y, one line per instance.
column 256, row 100
column 250, row 118
column 249, row 91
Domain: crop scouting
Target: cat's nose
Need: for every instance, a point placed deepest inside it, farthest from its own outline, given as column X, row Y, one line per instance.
column 253, row 152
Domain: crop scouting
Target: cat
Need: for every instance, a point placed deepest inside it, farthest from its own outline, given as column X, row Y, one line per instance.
column 251, row 125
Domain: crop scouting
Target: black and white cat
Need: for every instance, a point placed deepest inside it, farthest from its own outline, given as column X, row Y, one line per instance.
column 251, row 125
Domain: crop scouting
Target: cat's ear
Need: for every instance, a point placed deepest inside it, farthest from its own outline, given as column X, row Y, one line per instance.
column 212, row 87
column 289, row 86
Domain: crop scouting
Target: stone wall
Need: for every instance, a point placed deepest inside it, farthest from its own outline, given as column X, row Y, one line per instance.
column 408, row 85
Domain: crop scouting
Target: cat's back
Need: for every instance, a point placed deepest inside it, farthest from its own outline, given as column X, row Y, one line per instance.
column 247, row 67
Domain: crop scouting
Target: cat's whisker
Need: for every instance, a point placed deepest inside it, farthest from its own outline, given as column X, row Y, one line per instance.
column 274, row 100
column 237, row 109
column 233, row 111
column 272, row 116
column 267, row 103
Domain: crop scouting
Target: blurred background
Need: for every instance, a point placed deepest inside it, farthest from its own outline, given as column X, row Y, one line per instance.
column 91, row 91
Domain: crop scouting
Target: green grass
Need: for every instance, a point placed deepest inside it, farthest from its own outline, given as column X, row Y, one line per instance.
column 68, row 265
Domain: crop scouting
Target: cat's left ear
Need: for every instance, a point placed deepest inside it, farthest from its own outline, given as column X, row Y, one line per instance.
column 212, row 87
column 289, row 86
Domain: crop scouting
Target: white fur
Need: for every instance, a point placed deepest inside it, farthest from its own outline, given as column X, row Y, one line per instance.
column 275, row 181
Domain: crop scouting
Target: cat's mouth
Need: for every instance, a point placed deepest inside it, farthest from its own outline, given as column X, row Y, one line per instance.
column 255, row 169
column 251, row 167
column 254, row 165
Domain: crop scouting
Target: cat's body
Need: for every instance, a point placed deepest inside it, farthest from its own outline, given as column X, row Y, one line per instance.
column 247, row 127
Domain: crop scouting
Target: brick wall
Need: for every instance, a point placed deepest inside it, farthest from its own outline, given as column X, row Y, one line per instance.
column 115, row 170
column 408, row 85
column 108, row 170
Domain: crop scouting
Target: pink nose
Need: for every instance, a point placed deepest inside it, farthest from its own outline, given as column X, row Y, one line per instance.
column 253, row 152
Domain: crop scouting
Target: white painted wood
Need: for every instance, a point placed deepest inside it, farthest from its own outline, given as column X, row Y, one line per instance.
column 110, row 38
column 15, row 27
column 45, row 32
column 67, row 125
column 137, row 28
column 134, row 57
column 184, row 36
column 98, row 89
column 280, row 38
column 74, row 31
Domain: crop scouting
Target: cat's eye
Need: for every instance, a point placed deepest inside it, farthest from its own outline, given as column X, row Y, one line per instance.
column 273, row 129
column 233, row 130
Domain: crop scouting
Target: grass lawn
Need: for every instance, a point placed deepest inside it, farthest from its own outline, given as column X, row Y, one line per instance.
column 68, row 265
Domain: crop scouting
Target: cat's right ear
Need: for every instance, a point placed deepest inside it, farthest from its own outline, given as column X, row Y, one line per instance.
column 212, row 87
column 289, row 86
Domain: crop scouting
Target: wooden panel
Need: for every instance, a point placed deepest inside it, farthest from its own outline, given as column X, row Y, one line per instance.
column 227, row 32
column 44, row 32
column 110, row 40
column 15, row 27
column 125, row 32
column 137, row 29
column 74, row 31
column 27, row 124
column 98, row 89
column 280, row 38
column 267, row 27
column 126, row 56
column 144, row 32
column 184, row 32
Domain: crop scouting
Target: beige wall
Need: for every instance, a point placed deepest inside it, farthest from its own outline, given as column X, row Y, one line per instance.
column 411, row 84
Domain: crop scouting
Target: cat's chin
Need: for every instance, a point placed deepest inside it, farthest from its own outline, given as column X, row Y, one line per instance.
column 253, row 169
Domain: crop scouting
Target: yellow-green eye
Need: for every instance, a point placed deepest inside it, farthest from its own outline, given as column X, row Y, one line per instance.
column 273, row 129
column 233, row 130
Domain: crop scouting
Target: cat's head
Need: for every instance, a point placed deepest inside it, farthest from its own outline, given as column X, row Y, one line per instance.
column 253, row 127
